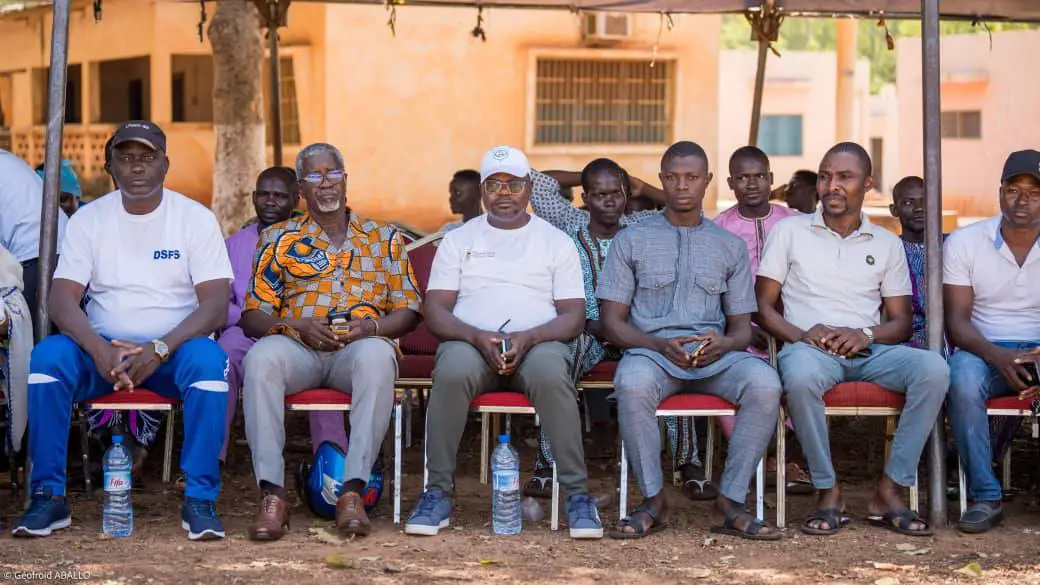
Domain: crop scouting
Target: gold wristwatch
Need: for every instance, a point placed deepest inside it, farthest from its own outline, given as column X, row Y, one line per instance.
column 161, row 350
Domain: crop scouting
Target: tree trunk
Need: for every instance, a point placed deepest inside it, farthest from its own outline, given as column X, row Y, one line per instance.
column 238, row 113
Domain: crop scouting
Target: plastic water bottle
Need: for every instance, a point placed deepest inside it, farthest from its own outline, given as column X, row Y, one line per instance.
column 505, row 486
column 117, row 517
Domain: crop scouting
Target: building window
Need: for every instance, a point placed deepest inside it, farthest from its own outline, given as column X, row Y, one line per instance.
column 73, row 94
column 966, row 124
column 124, row 90
column 780, row 135
column 290, row 107
column 598, row 101
column 191, row 86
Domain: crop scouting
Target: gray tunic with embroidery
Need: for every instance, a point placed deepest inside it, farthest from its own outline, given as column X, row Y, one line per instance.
column 679, row 281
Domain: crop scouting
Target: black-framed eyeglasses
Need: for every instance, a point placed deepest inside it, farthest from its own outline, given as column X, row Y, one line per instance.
column 515, row 186
column 333, row 176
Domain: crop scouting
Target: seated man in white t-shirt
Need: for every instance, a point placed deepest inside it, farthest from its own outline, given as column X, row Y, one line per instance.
column 835, row 272
column 991, row 283
column 505, row 296
column 158, row 274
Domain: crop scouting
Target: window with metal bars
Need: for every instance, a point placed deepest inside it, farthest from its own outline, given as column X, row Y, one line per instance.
column 290, row 106
column 601, row 101
column 962, row 124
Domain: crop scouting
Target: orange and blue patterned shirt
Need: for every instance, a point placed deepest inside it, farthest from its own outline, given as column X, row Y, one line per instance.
column 299, row 273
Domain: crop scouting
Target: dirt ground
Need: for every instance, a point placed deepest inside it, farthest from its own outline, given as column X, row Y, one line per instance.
column 159, row 552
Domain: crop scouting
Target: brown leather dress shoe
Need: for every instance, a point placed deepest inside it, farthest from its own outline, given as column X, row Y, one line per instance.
column 350, row 515
column 271, row 520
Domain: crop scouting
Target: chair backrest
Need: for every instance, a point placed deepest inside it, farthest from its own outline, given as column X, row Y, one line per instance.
column 421, row 341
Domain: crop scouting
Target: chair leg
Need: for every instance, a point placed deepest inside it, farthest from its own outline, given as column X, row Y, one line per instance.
column 915, row 496
column 397, row 462
column 425, row 462
column 709, row 456
column 407, row 400
column 890, row 433
column 168, row 449
column 84, row 439
column 962, row 486
column 1006, row 470
column 623, row 484
column 555, row 517
column 760, row 489
column 781, row 470
column 484, row 447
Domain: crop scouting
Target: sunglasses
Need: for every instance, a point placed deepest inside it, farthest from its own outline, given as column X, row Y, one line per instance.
column 515, row 186
column 334, row 176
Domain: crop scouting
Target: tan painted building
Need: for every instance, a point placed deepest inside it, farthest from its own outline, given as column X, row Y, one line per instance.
column 799, row 111
column 990, row 102
column 407, row 110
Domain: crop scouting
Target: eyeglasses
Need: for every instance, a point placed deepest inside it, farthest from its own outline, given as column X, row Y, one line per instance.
column 516, row 186
column 334, row 176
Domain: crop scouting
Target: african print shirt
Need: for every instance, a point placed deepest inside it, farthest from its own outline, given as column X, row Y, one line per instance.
column 299, row 272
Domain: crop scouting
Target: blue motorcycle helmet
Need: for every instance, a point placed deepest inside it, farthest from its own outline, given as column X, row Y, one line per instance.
column 320, row 482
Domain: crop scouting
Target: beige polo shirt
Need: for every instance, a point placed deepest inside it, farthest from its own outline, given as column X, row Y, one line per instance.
column 831, row 280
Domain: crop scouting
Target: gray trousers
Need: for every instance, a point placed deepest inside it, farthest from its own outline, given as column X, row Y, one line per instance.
column 277, row 366
column 751, row 384
column 461, row 373
column 809, row 373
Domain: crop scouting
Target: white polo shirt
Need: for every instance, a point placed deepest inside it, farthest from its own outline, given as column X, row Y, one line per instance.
column 832, row 280
column 1007, row 296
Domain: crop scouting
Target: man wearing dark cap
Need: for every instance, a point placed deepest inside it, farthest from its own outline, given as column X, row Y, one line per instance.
column 158, row 275
column 991, row 283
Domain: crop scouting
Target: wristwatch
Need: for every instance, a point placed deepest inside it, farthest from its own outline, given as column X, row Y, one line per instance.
column 870, row 335
column 161, row 350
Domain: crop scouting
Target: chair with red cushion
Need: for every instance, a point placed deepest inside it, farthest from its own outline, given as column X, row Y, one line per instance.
column 845, row 399
column 1003, row 406
column 415, row 368
column 136, row 399
column 508, row 403
column 704, row 405
column 328, row 399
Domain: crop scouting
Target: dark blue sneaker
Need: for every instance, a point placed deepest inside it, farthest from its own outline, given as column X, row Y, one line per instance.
column 199, row 518
column 46, row 514
column 583, row 517
column 431, row 513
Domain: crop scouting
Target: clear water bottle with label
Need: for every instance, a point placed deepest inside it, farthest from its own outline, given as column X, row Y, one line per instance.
column 117, row 516
column 505, row 486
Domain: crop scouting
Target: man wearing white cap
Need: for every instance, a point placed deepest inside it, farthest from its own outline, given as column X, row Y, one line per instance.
column 505, row 297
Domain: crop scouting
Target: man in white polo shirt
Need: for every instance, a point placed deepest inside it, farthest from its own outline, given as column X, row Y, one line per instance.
column 505, row 297
column 834, row 272
column 157, row 270
column 991, row 282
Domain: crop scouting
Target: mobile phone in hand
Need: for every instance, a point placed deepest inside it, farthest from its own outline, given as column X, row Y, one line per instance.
column 338, row 322
column 506, row 345
column 1034, row 371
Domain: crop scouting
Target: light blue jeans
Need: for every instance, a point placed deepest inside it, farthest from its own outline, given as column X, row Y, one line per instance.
column 973, row 383
column 808, row 373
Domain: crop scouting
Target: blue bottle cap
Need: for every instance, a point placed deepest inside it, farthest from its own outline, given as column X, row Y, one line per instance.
column 503, row 439
column 117, row 439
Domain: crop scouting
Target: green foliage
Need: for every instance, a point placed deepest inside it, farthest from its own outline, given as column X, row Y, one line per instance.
column 818, row 34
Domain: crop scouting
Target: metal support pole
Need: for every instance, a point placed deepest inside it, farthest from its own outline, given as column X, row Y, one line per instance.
column 52, row 163
column 760, row 80
column 765, row 28
column 930, row 44
column 274, row 77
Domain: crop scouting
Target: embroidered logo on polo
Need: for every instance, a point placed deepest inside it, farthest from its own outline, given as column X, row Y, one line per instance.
column 870, row 259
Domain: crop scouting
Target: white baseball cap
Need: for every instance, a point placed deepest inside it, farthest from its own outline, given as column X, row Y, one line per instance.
column 504, row 159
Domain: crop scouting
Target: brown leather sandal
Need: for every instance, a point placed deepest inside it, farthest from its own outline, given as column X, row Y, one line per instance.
column 350, row 515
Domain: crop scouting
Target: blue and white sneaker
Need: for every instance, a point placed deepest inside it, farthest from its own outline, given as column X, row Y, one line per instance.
column 46, row 514
column 199, row 518
column 431, row 513
column 583, row 517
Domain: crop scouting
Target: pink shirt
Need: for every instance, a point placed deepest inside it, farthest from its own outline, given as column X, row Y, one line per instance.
column 754, row 233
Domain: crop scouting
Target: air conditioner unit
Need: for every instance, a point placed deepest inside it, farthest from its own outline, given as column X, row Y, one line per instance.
column 605, row 27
